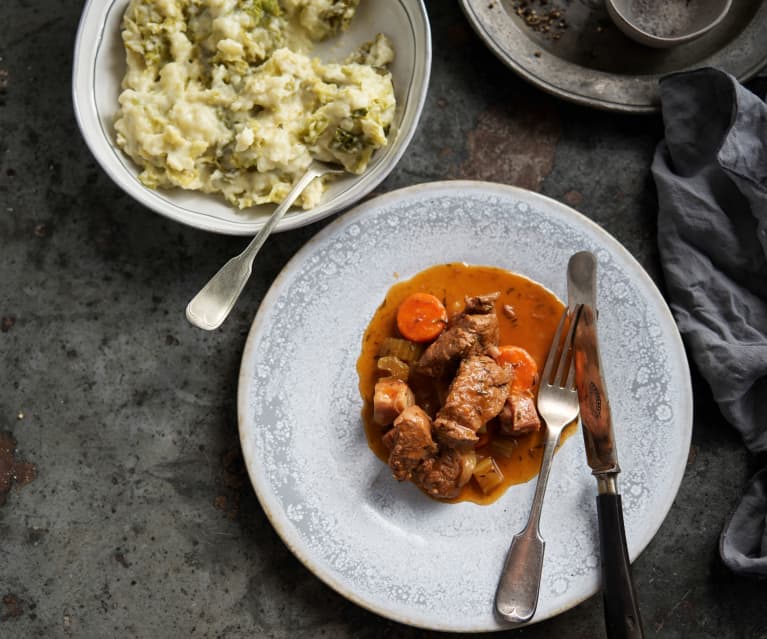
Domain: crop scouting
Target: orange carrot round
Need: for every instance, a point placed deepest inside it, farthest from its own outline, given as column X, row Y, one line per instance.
column 525, row 368
column 421, row 317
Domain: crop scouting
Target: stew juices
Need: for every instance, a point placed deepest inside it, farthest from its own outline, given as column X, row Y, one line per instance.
column 527, row 317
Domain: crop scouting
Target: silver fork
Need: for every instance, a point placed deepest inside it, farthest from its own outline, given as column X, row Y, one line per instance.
column 517, row 596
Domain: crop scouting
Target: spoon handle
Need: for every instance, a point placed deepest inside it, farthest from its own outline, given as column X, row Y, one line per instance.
column 211, row 306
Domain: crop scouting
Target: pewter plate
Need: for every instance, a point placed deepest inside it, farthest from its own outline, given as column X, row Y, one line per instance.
column 99, row 66
column 590, row 62
column 384, row 544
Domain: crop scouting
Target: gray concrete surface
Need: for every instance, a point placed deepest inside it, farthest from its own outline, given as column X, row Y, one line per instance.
column 140, row 521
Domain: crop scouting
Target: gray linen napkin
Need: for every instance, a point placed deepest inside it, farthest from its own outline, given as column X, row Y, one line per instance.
column 711, row 176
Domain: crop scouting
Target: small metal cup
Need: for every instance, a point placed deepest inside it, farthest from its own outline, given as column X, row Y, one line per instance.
column 666, row 23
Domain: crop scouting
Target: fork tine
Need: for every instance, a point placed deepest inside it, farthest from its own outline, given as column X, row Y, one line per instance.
column 562, row 377
column 561, row 373
column 570, row 335
column 571, row 377
column 553, row 350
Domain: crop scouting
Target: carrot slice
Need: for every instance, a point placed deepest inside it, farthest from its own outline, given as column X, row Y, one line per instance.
column 421, row 317
column 525, row 368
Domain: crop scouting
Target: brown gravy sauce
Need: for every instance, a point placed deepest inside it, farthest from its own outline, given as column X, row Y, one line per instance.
column 536, row 313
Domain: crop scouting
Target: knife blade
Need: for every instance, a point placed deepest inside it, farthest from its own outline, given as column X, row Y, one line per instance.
column 596, row 418
column 622, row 616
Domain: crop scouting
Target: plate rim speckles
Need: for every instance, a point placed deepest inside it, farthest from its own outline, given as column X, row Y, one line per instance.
column 299, row 421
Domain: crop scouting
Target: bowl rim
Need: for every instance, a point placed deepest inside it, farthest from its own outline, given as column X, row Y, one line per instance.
column 645, row 37
column 91, row 38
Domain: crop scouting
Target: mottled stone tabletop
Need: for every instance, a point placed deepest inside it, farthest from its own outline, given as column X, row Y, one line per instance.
column 130, row 513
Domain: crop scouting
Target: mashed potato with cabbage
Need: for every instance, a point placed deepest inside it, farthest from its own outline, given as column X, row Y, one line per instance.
column 220, row 96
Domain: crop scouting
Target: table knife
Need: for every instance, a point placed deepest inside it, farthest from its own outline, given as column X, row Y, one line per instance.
column 622, row 618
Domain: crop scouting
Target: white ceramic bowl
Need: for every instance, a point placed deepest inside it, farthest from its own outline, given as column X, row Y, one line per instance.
column 99, row 65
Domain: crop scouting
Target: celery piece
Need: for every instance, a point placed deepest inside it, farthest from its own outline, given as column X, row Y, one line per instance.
column 488, row 475
column 394, row 366
column 504, row 446
column 409, row 352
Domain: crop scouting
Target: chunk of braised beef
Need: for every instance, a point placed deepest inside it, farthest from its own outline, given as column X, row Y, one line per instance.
column 429, row 392
column 409, row 442
column 477, row 394
column 443, row 476
column 469, row 333
column 480, row 304
column 519, row 415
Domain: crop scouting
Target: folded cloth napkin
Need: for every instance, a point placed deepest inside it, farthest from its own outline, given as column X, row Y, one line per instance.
column 711, row 176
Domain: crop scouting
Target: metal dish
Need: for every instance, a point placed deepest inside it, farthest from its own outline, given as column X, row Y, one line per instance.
column 666, row 24
column 99, row 66
column 590, row 62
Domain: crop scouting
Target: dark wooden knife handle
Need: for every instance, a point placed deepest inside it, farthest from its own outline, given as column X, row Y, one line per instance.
column 622, row 617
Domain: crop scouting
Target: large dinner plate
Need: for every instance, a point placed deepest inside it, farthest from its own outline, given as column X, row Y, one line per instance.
column 584, row 58
column 381, row 543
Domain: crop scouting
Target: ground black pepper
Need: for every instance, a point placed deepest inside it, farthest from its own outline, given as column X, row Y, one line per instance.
column 542, row 17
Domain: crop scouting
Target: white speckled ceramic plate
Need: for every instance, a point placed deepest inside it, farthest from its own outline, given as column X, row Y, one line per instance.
column 384, row 544
column 99, row 65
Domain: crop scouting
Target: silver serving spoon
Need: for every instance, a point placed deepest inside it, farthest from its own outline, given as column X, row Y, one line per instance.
column 211, row 306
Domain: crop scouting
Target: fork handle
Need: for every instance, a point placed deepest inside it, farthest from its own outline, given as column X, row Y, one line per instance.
column 622, row 618
column 517, row 596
